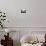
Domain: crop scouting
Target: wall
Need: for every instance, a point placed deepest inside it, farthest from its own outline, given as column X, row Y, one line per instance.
column 36, row 16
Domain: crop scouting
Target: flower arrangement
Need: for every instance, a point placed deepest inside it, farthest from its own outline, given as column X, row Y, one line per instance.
column 2, row 19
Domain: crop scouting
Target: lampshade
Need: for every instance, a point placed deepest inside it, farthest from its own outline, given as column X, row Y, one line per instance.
column 7, row 30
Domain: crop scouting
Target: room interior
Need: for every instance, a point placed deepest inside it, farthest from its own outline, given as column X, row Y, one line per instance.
column 22, row 22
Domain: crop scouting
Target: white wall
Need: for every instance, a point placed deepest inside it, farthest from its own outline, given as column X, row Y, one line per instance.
column 36, row 16
column 38, row 13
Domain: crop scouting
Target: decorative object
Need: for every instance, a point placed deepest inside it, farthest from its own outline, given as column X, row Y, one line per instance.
column 2, row 19
column 26, row 11
column 23, row 11
column 8, row 40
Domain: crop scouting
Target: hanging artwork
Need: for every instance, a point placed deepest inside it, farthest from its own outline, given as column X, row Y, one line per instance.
column 23, row 11
column 2, row 19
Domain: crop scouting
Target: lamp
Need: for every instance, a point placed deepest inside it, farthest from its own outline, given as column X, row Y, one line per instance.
column 7, row 31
